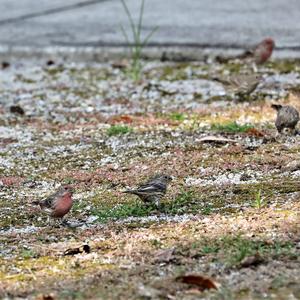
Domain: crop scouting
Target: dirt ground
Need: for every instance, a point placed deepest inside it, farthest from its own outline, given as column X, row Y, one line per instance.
column 231, row 213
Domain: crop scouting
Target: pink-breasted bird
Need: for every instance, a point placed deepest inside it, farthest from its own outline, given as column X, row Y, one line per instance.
column 58, row 204
column 259, row 54
column 263, row 51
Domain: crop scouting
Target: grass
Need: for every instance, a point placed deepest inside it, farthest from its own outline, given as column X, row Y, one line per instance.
column 176, row 116
column 122, row 211
column 179, row 204
column 259, row 202
column 183, row 203
column 27, row 254
column 231, row 127
column 118, row 129
column 231, row 250
column 137, row 44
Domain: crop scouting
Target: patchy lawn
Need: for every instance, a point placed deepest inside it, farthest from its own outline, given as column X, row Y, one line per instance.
column 232, row 212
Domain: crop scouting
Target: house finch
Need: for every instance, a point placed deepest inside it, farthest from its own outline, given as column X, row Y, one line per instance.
column 240, row 85
column 258, row 55
column 287, row 117
column 58, row 204
column 261, row 52
column 153, row 189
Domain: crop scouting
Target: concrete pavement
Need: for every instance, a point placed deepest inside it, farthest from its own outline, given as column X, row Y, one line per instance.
column 90, row 29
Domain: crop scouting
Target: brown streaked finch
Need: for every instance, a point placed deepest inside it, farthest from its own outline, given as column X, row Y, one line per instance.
column 240, row 85
column 58, row 204
column 153, row 189
column 287, row 117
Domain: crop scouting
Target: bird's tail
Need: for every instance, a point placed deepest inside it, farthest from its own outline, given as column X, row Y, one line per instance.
column 221, row 80
column 129, row 192
column 244, row 55
column 134, row 192
column 276, row 106
column 35, row 203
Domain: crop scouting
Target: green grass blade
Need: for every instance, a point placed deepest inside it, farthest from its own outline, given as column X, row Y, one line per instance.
column 140, row 23
column 132, row 25
column 126, row 38
column 148, row 37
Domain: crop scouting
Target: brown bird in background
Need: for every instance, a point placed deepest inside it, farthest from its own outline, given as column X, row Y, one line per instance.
column 58, row 204
column 240, row 85
column 258, row 55
column 287, row 117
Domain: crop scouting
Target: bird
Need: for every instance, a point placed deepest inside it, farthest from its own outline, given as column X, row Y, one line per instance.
column 58, row 204
column 257, row 55
column 261, row 52
column 287, row 117
column 153, row 189
column 240, row 85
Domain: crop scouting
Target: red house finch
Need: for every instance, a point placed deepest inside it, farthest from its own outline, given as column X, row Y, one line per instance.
column 58, row 204
column 152, row 190
column 259, row 54
column 240, row 85
column 263, row 51
column 287, row 117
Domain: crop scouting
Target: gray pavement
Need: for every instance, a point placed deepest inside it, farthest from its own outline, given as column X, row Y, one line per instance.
column 90, row 29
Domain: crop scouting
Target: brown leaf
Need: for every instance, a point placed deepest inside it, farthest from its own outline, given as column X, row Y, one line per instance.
column 253, row 260
column 120, row 64
column 5, row 64
column 45, row 297
column 217, row 140
column 165, row 255
column 122, row 119
column 73, row 251
column 50, row 62
column 202, row 282
column 254, row 132
column 16, row 109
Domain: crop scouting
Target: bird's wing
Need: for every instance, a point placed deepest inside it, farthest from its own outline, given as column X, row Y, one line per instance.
column 49, row 202
column 246, row 54
column 152, row 187
column 222, row 80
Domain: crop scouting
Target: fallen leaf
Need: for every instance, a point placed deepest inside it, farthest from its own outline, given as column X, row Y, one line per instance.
column 45, row 297
column 165, row 255
column 50, row 62
column 120, row 64
column 217, row 140
column 73, row 251
column 202, row 282
column 16, row 109
column 254, row 132
column 122, row 119
column 5, row 64
column 250, row 261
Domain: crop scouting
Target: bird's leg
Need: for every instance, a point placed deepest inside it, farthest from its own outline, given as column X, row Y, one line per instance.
column 254, row 67
column 50, row 221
